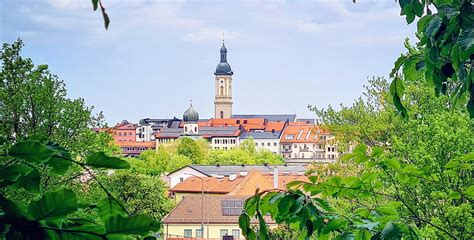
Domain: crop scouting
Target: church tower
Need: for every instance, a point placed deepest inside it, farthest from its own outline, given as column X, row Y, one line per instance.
column 223, row 82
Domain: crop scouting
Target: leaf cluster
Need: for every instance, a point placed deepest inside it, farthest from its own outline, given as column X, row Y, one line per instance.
column 53, row 214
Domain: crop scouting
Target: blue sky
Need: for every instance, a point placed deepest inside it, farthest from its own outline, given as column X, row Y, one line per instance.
column 157, row 55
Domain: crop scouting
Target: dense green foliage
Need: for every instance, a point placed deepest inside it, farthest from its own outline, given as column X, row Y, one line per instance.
column 57, row 214
column 185, row 151
column 65, row 190
column 408, row 178
column 33, row 102
column 446, row 40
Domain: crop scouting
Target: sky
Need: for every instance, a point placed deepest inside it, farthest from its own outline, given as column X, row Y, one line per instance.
column 157, row 55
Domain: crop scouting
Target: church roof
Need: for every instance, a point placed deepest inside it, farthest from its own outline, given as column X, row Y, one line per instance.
column 223, row 67
column 190, row 115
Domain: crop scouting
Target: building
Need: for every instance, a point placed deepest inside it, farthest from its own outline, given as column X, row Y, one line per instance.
column 133, row 149
column 220, row 137
column 264, row 140
column 303, row 143
column 124, row 132
column 207, row 217
column 223, row 87
column 244, row 183
column 183, row 173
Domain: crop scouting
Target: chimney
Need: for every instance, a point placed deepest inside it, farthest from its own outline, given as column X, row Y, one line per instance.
column 275, row 177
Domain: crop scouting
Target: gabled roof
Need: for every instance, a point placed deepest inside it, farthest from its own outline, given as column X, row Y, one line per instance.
column 238, row 185
column 268, row 117
column 190, row 211
column 210, row 185
column 226, row 170
column 302, row 132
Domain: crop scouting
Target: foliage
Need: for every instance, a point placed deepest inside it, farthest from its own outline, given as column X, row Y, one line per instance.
column 33, row 102
column 407, row 179
column 105, row 16
column 54, row 214
column 141, row 194
column 447, row 51
column 186, row 151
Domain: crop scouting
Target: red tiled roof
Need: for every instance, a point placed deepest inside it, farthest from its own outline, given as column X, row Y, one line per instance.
column 192, row 209
column 241, row 185
column 301, row 132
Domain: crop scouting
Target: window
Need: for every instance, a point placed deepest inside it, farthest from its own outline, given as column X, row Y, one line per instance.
column 188, row 233
column 268, row 144
column 290, row 136
column 333, row 149
column 236, row 233
column 245, row 121
column 130, row 134
column 221, row 92
column 199, row 233
column 237, row 121
column 223, row 232
column 329, row 149
column 181, row 179
column 256, row 144
column 222, row 114
column 231, row 207
column 275, row 144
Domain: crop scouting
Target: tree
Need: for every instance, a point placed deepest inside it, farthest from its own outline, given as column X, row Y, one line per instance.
column 140, row 193
column 407, row 178
column 33, row 102
column 151, row 162
column 194, row 150
column 58, row 214
column 446, row 60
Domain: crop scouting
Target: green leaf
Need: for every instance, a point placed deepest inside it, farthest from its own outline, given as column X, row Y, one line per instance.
column 363, row 234
column 30, row 182
column 244, row 224
column 105, row 16
column 386, row 209
column 336, row 223
column 95, row 4
column 397, row 90
column 294, row 184
column 58, row 164
column 466, row 41
column 100, row 160
column 398, row 63
column 250, row 205
column 391, row 231
column 323, row 204
column 53, row 205
column 454, row 195
column 10, row 174
column 108, row 207
column 138, row 224
column 433, row 26
column 31, row 151
column 10, row 209
column 469, row 192
column 393, row 163
column 363, row 212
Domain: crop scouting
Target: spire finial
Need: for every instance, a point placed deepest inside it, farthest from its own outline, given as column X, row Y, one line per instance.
column 191, row 102
column 223, row 39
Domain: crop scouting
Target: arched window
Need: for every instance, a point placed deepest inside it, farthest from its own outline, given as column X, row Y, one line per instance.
column 195, row 129
column 221, row 92
column 185, row 128
column 222, row 114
